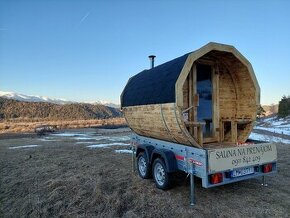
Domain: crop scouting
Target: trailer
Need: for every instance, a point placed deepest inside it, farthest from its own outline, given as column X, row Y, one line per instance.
column 214, row 166
column 195, row 114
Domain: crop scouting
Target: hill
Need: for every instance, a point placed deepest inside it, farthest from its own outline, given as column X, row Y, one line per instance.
column 270, row 109
column 14, row 109
column 273, row 129
column 37, row 98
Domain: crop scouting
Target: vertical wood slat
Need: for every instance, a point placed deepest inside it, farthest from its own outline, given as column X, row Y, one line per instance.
column 164, row 122
column 190, row 98
column 234, row 131
column 216, row 102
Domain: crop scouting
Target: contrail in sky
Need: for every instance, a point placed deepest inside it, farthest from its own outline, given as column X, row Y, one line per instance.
column 83, row 19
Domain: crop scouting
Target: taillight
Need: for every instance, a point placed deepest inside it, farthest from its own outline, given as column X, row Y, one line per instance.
column 216, row 178
column 267, row 168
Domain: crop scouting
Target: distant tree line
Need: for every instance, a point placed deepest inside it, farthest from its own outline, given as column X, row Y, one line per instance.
column 284, row 107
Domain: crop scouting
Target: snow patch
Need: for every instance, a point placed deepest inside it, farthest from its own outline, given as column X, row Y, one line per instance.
column 119, row 138
column 126, row 151
column 83, row 142
column 23, row 146
column 66, row 134
column 275, row 121
column 112, row 138
column 46, row 139
column 83, row 138
column 280, row 130
column 108, row 145
column 267, row 138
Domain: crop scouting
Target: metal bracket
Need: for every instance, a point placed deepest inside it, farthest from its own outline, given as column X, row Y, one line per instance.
column 192, row 194
column 264, row 182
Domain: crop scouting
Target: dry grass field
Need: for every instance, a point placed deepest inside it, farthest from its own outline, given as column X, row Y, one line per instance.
column 20, row 125
column 62, row 177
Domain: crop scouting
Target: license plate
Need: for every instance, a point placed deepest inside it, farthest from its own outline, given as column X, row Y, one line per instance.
column 242, row 172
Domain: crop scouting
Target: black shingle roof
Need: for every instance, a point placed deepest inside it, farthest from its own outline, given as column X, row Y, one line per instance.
column 154, row 86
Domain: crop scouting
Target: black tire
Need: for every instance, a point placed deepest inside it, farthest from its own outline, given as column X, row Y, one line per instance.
column 160, row 176
column 143, row 166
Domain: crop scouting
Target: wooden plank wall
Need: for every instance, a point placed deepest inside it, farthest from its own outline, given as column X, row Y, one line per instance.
column 227, row 95
column 161, row 121
column 235, row 96
column 239, row 101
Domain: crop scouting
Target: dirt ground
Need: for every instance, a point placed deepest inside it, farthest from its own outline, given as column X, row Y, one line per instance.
column 62, row 177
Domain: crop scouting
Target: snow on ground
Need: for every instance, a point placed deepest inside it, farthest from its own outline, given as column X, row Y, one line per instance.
column 90, row 136
column 47, row 139
column 23, row 146
column 83, row 138
column 112, row 138
column 275, row 122
column 273, row 125
column 92, row 139
column 84, row 142
column 108, row 145
column 126, row 151
column 104, row 138
column 68, row 134
column 280, row 130
column 119, row 138
column 268, row 138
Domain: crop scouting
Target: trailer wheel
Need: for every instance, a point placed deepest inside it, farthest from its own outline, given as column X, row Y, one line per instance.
column 161, row 177
column 143, row 167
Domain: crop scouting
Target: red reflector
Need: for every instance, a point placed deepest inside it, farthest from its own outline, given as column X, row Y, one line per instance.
column 216, row 178
column 267, row 168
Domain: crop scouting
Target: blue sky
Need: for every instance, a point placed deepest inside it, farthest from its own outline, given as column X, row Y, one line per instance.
column 87, row 50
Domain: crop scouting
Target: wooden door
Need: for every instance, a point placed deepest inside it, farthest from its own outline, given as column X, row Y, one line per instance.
column 207, row 110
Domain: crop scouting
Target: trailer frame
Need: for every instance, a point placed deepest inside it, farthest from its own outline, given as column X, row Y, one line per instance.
column 193, row 161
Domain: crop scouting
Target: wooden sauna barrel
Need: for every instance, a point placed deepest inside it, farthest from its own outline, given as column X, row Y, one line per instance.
column 206, row 97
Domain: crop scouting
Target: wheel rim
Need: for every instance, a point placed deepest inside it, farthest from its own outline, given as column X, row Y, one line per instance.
column 142, row 165
column 159, row 174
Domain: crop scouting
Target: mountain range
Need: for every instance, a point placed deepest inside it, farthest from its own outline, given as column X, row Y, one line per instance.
column 23, row 110
column 270, row 109
column 36, row 98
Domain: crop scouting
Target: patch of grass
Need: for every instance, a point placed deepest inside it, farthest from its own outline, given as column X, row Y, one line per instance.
column 64, row 179
column 17, row 126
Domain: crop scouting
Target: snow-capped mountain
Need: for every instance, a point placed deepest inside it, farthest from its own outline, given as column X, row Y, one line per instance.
column 32, row 98
column 36, row 98
column 106, row 103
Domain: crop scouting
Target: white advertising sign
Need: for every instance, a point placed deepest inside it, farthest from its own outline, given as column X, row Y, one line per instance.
column 242, row 156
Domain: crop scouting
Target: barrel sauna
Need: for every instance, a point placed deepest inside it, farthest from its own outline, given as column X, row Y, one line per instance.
column 204, row 98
